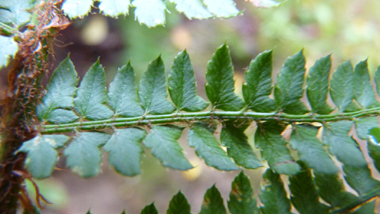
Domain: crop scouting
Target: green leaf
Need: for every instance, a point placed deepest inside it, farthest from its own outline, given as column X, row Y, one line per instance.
column 213, row 202
column 374, row 146
column 17, row 12
column 318, row 84
column 60, row 92
column 178, row 205
column 265, row 3
column 360, row 179
column 310, row 149
column 258, row 84
column 304, row 195
column 363, row 125
column 91, row 95
column 150, row 12
column 242, row 200
column 222, row 8
column 182, row 86
column 238, row 148
column 206, row 146
column 122, row 95
column 331, row 189
column 335, row 135
column 42, row 155
column 153, row 94
column 83, row 153
column 75, row 8
column 124, row 148
column 364, row 93
column 114, row 8
column 273, row 148
column 273, row 194
column 288, row 90
column 342, row 86
column 150, row 209
column 220, row 83
column 192, row 9
column 377, row 80
column 8, row 49
column 163, row 142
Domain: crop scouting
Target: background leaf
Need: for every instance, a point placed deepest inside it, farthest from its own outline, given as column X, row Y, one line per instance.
column 74, row 9
column 213, row 202
column 289, row 89
column 273, row 195
column 150, row 12
column 242, row 200
column 222, row 8
column 238, row 148
column 163, row 142
column 345, row 148
column 114, row 8
column 60, row 92
column 220, row 84
column 42, row 155
column 258, row 84
column 124, row 148
column 182, row 86
column 178, row 205
column 91, row 95
column 304, row 195
column 363, row 125
column 310, row 149
column 122, row 95
column 342, row 87
column 8, row 49
column 207, row 147
column 364, row 93
column 150, row 209
column 83, row 154
column 374, row 146
column 318, row 85
column 273, row 148
column 17, row 12
column 192, row 9
column 153, row 94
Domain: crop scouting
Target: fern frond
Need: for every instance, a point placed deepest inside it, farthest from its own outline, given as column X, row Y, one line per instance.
column 125, row 117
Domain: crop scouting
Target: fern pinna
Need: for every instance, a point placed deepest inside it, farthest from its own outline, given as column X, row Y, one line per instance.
column 124, row 119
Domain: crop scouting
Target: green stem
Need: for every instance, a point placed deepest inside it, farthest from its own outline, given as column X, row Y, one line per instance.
column 204, row 116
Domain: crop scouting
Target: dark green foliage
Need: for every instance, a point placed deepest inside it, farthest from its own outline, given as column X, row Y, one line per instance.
column 91, row 95
column 310, row 149
column 213, row 202
column 124, row 119
column 153, row 94
column 289, row 87
column 304, row 195
column 258, row 84
column 273, row 195
column 122, row 95
column 179, row 205
column 220, row 83
column 273, row 146
column 206, row 146
column 238, row 148
column 182, row 87
column 163, row 142
column 150, row 209
column 242, row 199
column 317, row 85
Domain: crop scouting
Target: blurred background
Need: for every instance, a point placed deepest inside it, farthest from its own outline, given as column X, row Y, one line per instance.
column 345, row 29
